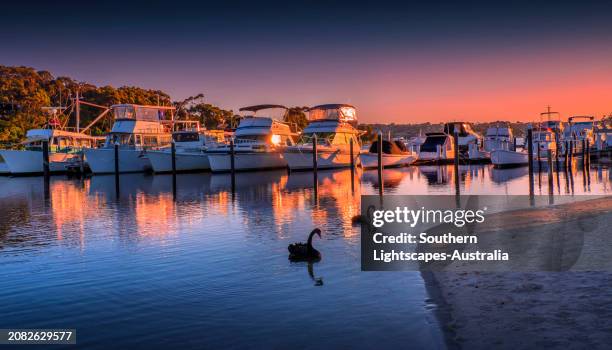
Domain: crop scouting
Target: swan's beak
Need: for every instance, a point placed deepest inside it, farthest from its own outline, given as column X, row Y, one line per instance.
column 318, row 232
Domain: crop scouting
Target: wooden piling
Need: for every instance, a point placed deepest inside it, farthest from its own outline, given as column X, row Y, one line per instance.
column 549, row 160
column 381, row 188
column 456, row 162
column 315, row 154
column 530, row 158
column 233, row 165
column 117, row 169
column 583, row 153
column 352, row 156
column 566, row 155
column 315, row 166
column 45, row 149
column 352, row 166
column 173, row 155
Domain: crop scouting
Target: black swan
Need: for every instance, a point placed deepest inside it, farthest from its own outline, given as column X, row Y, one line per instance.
column 364, row 219
column 305, row 251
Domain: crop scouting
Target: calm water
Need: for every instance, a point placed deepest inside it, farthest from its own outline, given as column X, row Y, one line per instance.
column 210, row 269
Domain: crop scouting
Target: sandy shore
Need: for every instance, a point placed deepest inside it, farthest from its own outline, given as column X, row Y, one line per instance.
column 533, row 310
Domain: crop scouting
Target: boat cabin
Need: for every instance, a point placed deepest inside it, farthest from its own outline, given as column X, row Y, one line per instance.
column 498, row 138
column 263, row 124
column 141, row 126
column 581, row 129
column 333, row 124
column 59, row 140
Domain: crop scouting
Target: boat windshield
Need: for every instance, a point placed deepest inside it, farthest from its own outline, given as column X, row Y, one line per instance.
column 186, row 137
column 138, row 112
column 252, row 139
column 323, row 138
column 431, row 144
column 276, row 113
column 345, row 114
column 122, row 139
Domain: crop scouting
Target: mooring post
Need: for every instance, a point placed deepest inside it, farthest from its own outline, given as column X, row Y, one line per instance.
column 550, row 170
column 314, row 154
column 566, row 155
column 588, row 153
column 117, row 169
column 530, row 157
column 45, row 148
column 351, row 150
column 456, row 162
column 571, row 153
column 381, row 186
column 514, row 144
column 233, row 165
column 352, row 165
column 315, row 165
column 173, row 155
column 584, row 152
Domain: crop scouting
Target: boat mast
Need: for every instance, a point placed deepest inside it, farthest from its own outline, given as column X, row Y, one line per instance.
column 78, row 110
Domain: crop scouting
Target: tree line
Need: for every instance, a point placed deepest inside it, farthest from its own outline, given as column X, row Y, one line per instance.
column 25, row 91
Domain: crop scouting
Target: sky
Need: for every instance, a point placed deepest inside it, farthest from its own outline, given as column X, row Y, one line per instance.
column 401, row 62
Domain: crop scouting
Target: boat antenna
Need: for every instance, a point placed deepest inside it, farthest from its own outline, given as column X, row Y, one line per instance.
column 548, row 113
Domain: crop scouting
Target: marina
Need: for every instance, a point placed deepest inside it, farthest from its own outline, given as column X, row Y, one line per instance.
column 306, row 175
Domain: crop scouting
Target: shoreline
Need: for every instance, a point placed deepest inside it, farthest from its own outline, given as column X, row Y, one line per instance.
column 512, row 310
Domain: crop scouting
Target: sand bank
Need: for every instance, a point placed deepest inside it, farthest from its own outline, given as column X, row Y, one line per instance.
column 532, row 310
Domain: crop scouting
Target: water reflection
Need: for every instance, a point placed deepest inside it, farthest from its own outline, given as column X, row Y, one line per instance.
column 208, row 250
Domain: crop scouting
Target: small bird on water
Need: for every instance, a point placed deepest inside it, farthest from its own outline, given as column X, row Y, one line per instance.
column 305, row 251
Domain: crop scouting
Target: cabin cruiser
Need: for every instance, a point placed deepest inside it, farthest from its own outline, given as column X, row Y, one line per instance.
column 467, row 136
column 394, row 154
column 502, row 158
column 496, row 138
column 259, row 141
column 578, row 131
column 191, row 144
column 64, row 149
column 136, row 130
column 544, row 139
column 437, row 148
column 334, row 128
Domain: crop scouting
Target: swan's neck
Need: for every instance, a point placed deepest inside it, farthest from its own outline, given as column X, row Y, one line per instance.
column 309, row 243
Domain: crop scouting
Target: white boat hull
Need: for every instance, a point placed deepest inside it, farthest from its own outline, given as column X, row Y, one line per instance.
column 20, row 162
column 161, row 161
column 326, row 159
column 370, row 160
column 501, row 158
column 102, row 160
column 221, row 161
column 475, row 154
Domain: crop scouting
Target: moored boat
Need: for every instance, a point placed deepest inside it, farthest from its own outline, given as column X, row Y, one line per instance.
column 259, row 141
column 506, row 158
column 496, row 138
column 437, row 148
column 394, row 154
column 191, row 146
column 136, row 129
column 64, row 148
column 333, row 126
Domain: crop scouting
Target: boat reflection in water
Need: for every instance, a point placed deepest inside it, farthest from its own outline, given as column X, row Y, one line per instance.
column 219, row 250
column 504, row 175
